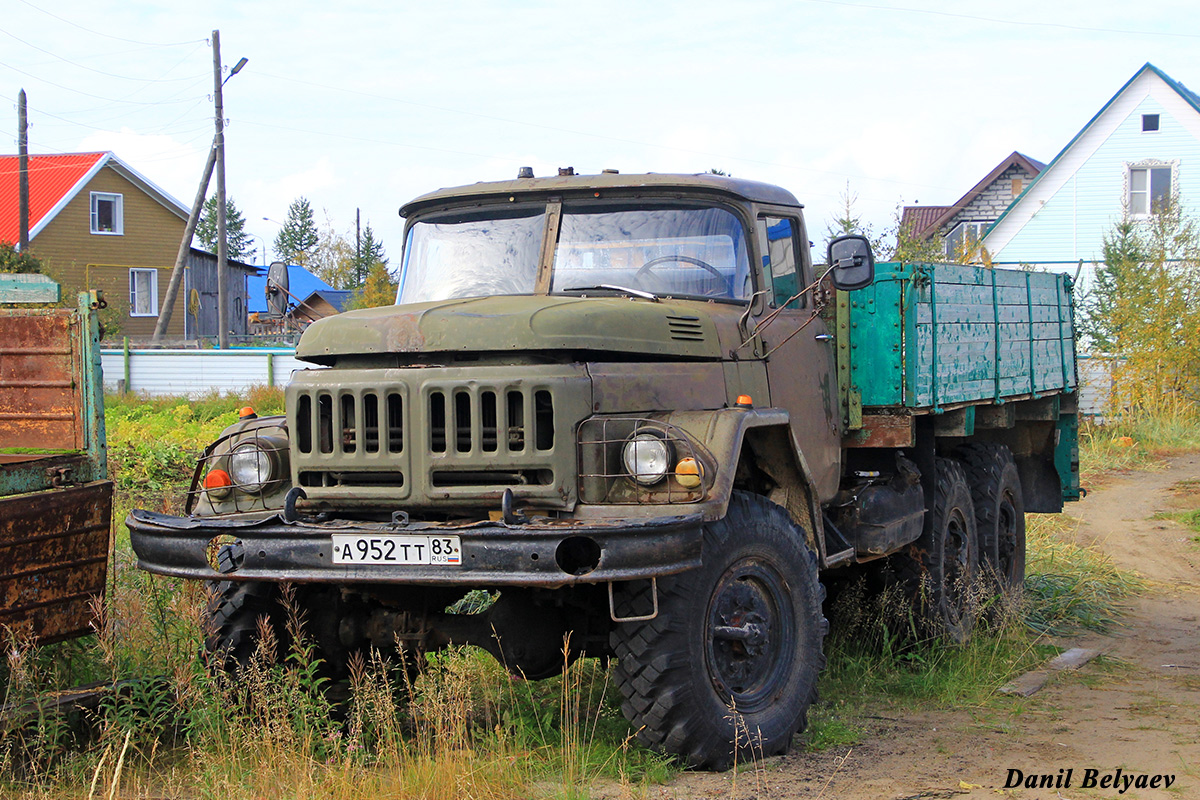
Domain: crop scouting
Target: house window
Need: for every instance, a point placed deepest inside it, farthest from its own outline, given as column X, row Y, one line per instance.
column 1149, row 189
column 107, row 214
column 1017, row 186
column 143, row 293
column 961, row 241
column 1149, row 123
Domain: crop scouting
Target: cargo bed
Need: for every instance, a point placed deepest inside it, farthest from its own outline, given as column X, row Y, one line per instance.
column 969, row 347
column 930, row 336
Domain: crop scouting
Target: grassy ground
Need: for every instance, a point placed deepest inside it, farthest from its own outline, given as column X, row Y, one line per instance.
column 465, row 728
column 1132, row 441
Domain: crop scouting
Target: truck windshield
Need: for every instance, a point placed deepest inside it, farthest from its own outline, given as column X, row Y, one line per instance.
column 696, row 251
column 691, row 252
column 472, row 255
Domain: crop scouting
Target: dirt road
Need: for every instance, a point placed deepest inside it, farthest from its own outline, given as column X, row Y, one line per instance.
column 1141, row 717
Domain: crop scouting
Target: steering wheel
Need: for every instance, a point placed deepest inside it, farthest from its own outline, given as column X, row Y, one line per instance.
column 648, row 268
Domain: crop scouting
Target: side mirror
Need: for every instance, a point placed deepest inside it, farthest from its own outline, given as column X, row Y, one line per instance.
column 852, row 262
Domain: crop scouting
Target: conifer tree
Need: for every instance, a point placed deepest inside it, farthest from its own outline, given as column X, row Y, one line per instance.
column 298, row 237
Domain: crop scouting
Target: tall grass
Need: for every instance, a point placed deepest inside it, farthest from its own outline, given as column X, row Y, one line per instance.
column 1136, row 438
column 1071, row 586
column 174, row 728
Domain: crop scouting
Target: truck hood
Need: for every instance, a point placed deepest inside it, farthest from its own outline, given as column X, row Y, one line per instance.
column 666, row 328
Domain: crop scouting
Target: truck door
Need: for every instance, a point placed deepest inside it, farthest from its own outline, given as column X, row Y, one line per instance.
column 799, row 352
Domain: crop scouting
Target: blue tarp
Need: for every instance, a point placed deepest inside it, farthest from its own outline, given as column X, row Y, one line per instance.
column 302, row 283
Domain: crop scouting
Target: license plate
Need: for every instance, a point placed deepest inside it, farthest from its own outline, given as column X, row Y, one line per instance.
column 353, row 548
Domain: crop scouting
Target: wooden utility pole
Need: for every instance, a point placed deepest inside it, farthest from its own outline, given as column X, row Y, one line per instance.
column 23, row 166
column 222, row 247
column 358, row 270
column 185, row 247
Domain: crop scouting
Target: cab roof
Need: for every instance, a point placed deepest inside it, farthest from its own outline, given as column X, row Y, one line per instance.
column 580, row 185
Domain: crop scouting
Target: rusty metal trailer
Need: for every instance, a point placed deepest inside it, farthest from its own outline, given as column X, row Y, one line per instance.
column 55, row 496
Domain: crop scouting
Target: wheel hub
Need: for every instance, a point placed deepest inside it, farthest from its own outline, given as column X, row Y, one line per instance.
column 749, row 624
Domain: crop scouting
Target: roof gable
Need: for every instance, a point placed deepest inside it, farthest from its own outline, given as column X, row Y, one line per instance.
column 55, row 180
column 928, row 220
column 1149, row 80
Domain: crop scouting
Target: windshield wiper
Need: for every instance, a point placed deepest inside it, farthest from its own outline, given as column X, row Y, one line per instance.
column 613, row 288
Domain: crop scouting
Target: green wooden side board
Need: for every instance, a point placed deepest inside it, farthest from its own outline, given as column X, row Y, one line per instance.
column 925, row 336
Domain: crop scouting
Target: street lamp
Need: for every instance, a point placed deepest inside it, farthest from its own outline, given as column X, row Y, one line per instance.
column 262, row 246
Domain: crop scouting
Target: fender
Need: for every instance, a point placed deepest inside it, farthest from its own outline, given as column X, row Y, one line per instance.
column 763, row 435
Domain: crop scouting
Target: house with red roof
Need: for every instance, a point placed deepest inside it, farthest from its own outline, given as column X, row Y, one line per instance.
column 97, row 223
column 964, row 222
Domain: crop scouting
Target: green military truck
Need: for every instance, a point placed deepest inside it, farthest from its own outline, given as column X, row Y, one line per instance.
column 55, row 496
column 634, row 407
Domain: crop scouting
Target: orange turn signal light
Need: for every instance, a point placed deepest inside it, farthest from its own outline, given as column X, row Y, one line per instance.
column 744, row 401
column 217, row 479
column 687, row 473
column 247, row 412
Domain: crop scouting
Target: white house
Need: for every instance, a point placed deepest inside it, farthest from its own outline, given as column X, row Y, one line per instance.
column 1141, row 147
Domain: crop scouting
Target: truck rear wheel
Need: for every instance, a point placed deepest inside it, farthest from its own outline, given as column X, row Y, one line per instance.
column 999, row 514
column 938, row 570
column 728, row 668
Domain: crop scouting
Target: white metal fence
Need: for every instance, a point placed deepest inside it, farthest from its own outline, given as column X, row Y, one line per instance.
column 194, row 373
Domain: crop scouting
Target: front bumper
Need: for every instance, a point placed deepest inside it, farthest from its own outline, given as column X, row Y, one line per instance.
column 493, row 553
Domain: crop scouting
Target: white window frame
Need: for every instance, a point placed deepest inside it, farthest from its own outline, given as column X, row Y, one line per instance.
column 118, row 202
column 1147, row 164
column 947, row 240
column 133, row 285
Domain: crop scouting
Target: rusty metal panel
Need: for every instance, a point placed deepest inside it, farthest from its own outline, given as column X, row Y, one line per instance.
column 54, row 546
column 40, row 396
column 882, row 430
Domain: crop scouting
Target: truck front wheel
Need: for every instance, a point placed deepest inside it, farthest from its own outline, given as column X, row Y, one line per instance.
column 728, row 668
column 231, row 626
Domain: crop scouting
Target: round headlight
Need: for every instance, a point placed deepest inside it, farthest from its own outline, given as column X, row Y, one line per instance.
column 647, row 458
column 250, row 467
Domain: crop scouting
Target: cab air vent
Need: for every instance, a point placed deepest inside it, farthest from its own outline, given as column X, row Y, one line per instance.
column 685, row 329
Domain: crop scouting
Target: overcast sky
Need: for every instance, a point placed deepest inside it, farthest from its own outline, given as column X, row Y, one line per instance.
column 354, row 106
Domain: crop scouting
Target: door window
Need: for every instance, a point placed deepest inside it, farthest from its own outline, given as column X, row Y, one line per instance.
column 777, row 238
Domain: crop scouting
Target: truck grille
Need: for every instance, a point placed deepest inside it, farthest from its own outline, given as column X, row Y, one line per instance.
column 462, row 420
column 430, row 437
column 366, row 418
column 470, row 419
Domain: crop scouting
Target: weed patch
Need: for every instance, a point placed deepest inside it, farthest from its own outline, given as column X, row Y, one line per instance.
column 1070, row 586
column 1136, row 439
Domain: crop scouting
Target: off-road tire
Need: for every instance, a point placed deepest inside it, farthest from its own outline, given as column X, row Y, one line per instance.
column 999, row 515
column 231, row 623
column 938, row 572
column 728, row 668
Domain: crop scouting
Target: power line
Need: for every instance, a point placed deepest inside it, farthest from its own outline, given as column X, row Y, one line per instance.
column 495, row 157
column 997, row 20
column 92, row 69
column 108, row 35
column 89, row 94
